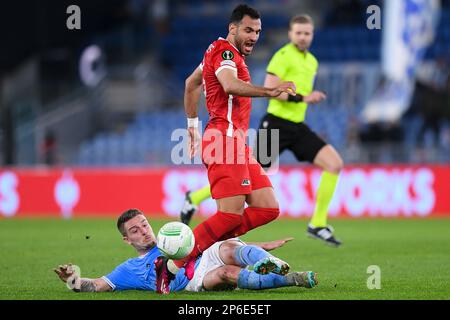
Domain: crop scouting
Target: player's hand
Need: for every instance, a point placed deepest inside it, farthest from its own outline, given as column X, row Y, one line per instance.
column 315, row 97
column 271, row 245
column 65, row 271
column 70, row 275
column 288, row 87
column 194, row 141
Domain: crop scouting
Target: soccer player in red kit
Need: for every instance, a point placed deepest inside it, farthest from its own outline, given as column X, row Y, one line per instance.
column 235, row 176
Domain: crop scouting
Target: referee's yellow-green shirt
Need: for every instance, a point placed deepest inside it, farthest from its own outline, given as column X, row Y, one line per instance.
column 290, row 64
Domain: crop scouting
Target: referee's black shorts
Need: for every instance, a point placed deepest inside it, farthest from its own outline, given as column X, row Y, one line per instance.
column 297, row 137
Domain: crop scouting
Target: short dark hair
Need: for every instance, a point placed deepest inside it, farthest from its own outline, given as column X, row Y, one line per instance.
column 243, row 10
column 302, row 19
column 124, row 217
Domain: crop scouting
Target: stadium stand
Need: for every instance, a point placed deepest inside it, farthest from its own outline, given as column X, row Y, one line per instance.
column 333, row 45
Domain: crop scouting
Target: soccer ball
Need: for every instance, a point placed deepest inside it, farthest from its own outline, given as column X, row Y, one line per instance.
column 175, row 240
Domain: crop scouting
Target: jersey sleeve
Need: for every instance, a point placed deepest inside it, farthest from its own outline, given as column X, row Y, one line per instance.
column 122, row 278
column 277, row 65
column 224, row 58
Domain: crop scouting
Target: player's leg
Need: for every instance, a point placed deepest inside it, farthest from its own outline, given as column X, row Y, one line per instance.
column 209, row 262
column 228, row 179
column 226, row 176
column 201, row 195
column 191, row 202
column 329, row 160
column 262, row 203
column 251, row 280
column 218, row 270
column 233, row 276
column 233, row 252
column 220, row 266
column 262, row 209
column 222, row 278
column 228, row 277
column 228, row 217
column 228, row 189
column 331, row 163
column 310, row 147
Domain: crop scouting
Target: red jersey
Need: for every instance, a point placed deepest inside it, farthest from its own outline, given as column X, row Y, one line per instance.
column 227, row 113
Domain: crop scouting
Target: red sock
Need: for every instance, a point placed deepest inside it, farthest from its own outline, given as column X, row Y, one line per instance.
column 210, row 231
column 252, row 218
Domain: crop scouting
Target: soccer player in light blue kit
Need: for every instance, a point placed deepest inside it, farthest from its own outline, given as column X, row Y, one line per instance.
column 222, row 266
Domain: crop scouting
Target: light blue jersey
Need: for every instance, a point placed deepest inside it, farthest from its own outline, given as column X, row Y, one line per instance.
column 139, row 274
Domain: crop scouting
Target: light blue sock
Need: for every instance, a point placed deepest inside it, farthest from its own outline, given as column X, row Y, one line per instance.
column 248, row 255
column 254, row 281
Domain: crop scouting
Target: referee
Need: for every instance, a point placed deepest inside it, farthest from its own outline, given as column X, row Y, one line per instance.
column 287, row 114
column 293, row 62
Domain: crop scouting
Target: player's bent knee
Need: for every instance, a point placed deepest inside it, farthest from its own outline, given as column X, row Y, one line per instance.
column 337, row 166
column 266, row 215
column 229, row 274
column 273, row 214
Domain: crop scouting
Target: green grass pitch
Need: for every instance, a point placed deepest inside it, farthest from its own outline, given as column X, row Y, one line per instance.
column 413, row 255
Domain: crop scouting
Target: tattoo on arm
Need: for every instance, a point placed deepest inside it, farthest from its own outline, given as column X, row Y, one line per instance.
column 87, row 285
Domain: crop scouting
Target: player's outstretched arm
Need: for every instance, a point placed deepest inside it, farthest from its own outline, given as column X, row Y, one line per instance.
column 234, row 86
column 68, row 274
column 315, row 96
column 273, row 80
column 271, row 245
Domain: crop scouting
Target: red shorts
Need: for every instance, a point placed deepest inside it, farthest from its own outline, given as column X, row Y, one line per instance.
column 232, row 169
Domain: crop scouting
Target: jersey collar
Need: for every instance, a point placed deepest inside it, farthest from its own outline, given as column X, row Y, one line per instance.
column 149, row 251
